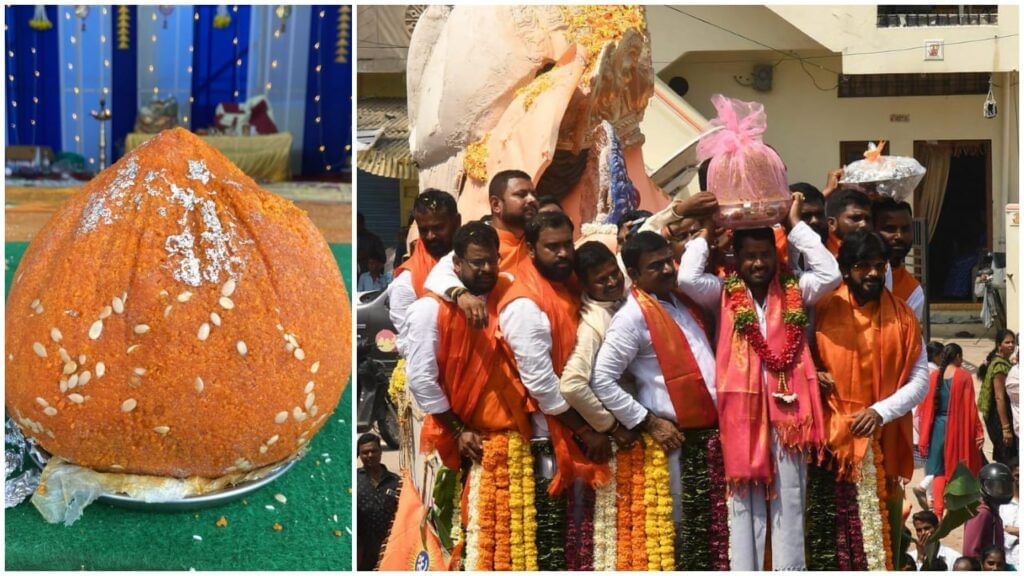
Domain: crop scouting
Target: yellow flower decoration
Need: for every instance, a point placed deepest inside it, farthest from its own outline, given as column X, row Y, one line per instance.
column 475, row 160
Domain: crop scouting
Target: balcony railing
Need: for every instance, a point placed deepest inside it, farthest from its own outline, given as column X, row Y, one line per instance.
column 910, row 18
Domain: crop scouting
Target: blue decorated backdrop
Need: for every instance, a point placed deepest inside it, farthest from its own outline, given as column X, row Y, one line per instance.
column 297, row 56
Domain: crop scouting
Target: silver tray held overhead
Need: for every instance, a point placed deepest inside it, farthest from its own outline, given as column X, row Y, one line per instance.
column 208, row 500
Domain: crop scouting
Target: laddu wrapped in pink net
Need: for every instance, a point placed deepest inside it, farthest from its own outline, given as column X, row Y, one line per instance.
column 745, row 174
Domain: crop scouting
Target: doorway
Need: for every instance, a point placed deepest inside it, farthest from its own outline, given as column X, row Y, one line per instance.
column 962, row 233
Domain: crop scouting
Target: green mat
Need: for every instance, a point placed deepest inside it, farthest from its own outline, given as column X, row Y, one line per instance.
column 318, row 489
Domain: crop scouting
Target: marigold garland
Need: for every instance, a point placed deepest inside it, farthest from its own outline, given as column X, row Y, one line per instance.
column 515, row 501
column 487, row 506
column 502, row 513
column 638, row 512
column 529, row 508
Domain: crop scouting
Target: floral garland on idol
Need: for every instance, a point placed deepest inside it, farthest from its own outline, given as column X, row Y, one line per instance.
column 658, row 507
column 793, row 316
column 501, row 527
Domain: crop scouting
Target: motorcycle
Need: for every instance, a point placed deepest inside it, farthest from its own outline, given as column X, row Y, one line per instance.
column 988, row 283
column 376, row 357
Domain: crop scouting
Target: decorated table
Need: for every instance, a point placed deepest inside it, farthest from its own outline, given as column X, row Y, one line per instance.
column 301, row 521
column 263, row 158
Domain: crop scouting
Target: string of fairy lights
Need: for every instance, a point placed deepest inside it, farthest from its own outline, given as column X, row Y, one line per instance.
column 83, row 34
column 75, row 66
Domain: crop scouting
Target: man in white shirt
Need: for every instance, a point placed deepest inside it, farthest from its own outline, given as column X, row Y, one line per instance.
column 760, row 398
column 538, row 319
column 437, row 218
column 658, row 335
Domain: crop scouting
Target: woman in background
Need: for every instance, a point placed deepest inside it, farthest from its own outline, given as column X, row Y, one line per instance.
column 993, row 400
column 951, row 431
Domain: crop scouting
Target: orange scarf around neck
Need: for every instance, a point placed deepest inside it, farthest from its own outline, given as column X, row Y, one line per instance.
column 418, row 265
column 561, row 304
column 870, row 351
column 903, row 283
column 478, row 379
column 686, row 387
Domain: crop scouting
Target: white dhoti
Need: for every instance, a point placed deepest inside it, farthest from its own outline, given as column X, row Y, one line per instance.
column 750, row 513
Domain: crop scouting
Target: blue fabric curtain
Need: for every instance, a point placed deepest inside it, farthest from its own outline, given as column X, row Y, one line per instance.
column 333, row 84
column 216, row 75
column 124, row 94
column 32, row 122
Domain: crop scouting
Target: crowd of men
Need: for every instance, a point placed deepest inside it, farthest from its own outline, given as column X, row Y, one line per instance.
column 796, row 348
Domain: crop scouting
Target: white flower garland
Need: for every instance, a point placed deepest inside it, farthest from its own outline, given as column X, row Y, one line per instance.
column 473, row 524
column 605, row 535
column 869, row 507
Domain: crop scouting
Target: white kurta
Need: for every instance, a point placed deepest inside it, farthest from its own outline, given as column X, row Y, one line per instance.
column 627, row 346
column 401, row 296
column 751, row 509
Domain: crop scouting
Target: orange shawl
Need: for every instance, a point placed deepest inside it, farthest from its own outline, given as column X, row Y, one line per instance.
column 870, row 352
column 781, row 247
column 478, row 379
column 514, row 255
column 691, row 400
column 903, row 283
column 833, row 243
column 418, row 265
column 561, row 305
column 963, row 426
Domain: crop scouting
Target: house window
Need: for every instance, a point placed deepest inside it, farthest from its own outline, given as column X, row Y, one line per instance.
column 911, row 15
column 883, row 85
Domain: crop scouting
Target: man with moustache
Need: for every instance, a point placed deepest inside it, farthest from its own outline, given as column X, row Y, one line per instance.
column 873, row 360
column 437, row 218
column 769, row 405
column 603, row 291
column 847, row 210
column 659, row 337
column 894, row 222
column 463, row 378
column 513, row 202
